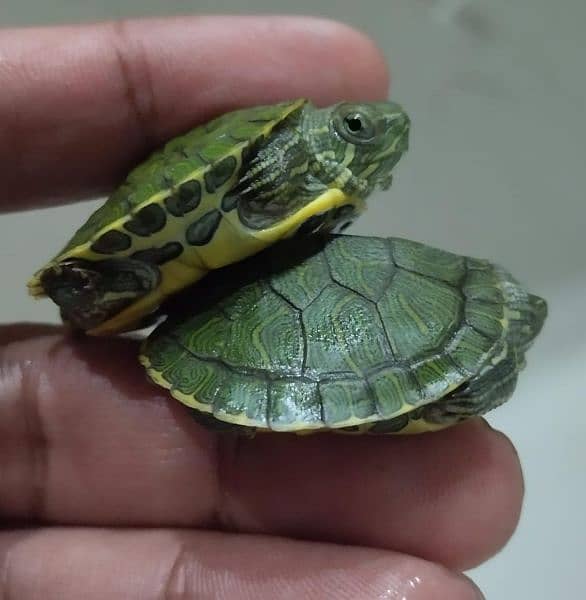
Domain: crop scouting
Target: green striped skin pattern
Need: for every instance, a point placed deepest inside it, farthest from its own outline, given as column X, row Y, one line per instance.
column 218, row 194
column 346, row 333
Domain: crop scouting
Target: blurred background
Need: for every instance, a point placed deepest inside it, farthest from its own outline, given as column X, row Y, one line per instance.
column 497, row 94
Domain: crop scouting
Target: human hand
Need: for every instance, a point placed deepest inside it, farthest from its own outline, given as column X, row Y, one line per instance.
column 108, row 489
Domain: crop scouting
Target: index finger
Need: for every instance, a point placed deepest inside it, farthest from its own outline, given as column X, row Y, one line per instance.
column 80, row 105
column 86, row 440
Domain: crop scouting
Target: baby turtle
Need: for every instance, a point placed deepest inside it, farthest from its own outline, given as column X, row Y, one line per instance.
column 346, row 333
column 216, row 195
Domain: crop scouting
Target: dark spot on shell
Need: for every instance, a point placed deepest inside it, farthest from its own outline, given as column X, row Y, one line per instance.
column 185, row 199
column 202, row 231
column 111, row 242
column 161, row 255
column 219, row 174
column 147, row 220
column 229, row 202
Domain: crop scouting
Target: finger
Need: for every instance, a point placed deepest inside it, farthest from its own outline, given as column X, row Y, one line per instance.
column 85, row 439
column 452, row 497
column 80, row 105
column 155, row 565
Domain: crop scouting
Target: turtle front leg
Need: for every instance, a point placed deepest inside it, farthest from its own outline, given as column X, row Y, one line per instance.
column 276, row 181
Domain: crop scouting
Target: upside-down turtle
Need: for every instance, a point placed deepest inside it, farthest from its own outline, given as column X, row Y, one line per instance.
column 216, row 195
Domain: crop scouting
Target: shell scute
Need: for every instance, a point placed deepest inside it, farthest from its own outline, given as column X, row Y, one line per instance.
column 269, row 338
column 345, row 331
column 429, row 261
column 470, row 349
column 343, row 400
column 485, row 317
column 367, row 271
column 393, row 388
column 302, row 283
column 482, row 284
column 235, row 399
column 211, row 382
column 293, row 401
column 419, row 314
column 436, row 376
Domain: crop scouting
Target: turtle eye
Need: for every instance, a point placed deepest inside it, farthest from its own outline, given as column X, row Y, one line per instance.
column 356, row 128
column 354, row 123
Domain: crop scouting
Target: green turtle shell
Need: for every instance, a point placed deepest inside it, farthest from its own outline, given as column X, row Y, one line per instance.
column 346, row 333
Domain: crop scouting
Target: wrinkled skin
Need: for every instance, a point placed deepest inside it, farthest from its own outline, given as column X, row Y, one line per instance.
column 86, row 441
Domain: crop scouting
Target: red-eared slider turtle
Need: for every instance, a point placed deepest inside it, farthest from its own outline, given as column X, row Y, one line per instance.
column 346, row 333
column 216, row 195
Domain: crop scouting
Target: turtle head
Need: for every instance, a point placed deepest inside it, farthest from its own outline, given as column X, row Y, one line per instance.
column 357, row 145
